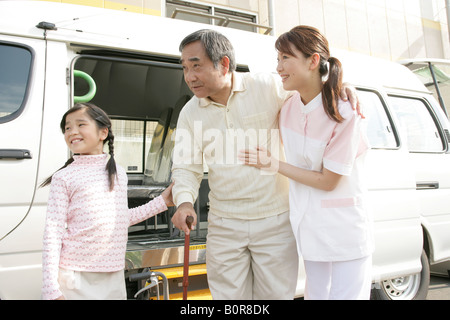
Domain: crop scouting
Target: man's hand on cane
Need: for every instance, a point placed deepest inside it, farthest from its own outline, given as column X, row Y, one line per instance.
column 179, row 218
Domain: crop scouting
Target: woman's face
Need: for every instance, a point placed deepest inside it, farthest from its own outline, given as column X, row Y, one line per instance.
column 295, row 70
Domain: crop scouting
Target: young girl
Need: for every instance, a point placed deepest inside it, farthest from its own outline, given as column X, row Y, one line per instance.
column 325, row 148
column 87, row 221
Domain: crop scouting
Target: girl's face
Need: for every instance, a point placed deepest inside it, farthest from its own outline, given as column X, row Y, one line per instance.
column 82, row 134
column 296, row 71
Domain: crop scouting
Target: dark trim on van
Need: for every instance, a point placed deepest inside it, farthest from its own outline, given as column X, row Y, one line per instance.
column 137, row 57
column 19, row 111
column 125, row 55
column 389, row 116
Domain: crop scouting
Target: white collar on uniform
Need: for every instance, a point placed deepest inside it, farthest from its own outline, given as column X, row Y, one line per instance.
column 312, row 105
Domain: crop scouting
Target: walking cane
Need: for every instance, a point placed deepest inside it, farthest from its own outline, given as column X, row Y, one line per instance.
column 189, row 220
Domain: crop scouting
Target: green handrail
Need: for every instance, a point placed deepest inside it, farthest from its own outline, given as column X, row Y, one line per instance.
column 92, row 87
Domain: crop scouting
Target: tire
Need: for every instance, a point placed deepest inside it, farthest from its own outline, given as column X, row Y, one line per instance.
column 413, row 287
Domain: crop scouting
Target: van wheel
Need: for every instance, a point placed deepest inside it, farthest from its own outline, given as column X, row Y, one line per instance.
column 413, row 287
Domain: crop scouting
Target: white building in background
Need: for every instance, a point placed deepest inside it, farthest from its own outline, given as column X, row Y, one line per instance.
column 389, row 29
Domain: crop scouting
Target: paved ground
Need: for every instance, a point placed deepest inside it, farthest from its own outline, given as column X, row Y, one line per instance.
column 439, row 288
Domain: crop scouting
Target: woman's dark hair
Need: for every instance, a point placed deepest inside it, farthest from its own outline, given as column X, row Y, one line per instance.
column 309, row 40
column 216, row 46
column 102, row 121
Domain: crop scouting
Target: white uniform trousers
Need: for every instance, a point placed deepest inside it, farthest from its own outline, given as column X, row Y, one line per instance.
column 339, row 280
column 251, row 259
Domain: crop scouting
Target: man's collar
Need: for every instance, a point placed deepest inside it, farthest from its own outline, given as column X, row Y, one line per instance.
column 238, row 85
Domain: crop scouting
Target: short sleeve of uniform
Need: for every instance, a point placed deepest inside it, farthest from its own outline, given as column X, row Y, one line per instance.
column 346, row 142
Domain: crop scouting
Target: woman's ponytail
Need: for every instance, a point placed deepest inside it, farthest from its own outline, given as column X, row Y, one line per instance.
column 332, row 88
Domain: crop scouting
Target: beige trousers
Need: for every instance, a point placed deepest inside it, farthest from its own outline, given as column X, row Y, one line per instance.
column 76, row 285
column 251, row 259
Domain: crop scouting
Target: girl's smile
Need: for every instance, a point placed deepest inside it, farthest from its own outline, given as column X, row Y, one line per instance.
column 76, row 141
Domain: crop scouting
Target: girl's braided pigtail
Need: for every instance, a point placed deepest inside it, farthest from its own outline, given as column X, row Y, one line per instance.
column 111, row 165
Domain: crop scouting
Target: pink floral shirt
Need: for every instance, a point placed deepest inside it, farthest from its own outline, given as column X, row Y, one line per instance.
column 87, row 225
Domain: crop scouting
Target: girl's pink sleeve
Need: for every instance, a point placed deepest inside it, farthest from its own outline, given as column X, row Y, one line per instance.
column 147, row 210
column 57, row 207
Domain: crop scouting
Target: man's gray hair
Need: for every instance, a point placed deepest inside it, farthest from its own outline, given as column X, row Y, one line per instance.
column 216, row 46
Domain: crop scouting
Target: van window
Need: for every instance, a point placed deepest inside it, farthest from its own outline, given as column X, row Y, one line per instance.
column 15, row 65
column 132, row 140
column 379, row 128
column 416, row 119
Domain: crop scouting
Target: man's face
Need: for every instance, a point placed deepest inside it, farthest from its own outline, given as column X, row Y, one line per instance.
column 200, row 75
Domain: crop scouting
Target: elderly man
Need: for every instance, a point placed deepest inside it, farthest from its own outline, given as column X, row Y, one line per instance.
column 251, row 251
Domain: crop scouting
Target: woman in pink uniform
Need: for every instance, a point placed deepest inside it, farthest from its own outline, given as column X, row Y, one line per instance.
column 325, row 147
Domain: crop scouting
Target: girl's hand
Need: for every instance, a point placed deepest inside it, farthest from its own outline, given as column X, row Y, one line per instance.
column 167, row 196
column 260, row 158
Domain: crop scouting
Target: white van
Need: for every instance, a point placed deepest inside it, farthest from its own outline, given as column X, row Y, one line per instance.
column 52, row 54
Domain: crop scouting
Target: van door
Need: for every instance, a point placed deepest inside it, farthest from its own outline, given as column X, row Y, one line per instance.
column 21, row 98
column 391, row 196
column 428, row 151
